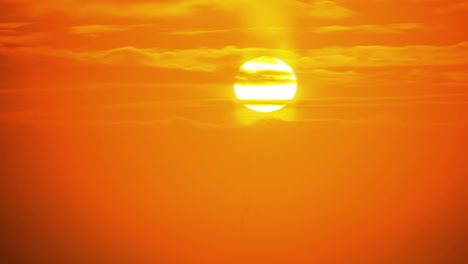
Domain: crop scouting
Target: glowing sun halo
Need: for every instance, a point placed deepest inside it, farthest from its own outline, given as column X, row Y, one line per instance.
column 265, row 84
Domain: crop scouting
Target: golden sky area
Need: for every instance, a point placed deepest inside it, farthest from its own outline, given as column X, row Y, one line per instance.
column 124, row 136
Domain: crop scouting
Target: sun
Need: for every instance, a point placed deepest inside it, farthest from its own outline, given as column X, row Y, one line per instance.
column 265, row 84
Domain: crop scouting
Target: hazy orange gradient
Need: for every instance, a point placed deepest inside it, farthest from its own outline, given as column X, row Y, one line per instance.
column 122, row 139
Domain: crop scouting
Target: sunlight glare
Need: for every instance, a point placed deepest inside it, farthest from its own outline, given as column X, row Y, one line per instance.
column 265, row 79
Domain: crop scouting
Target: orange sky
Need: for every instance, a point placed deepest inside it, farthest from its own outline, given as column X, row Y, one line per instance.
column 122, row 142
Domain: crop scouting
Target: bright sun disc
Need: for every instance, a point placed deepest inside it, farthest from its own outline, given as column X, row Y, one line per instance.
column 265, row 84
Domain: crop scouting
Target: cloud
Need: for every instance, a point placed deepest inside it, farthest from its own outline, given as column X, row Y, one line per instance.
column 84, row 8
column 203, row 59
column 11, row 33
column 460, row 6
column 374, row 29
column 100, row 28
column 211, row 60
column 91, row 29
column 179, row 122
column 318, row 102
column 327, row 9
column 430, row 99
column 381, row 56
column 324, row 77
column 23, row 39
column 456, row 76
column 195, row 32
column 14, row 25
column 81, row 116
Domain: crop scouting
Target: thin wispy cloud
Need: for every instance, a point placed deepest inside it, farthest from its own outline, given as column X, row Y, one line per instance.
column 92, row 29
column 371, row 29
column 14, row 25
column 326, row 9
column 460, row 6
column 210, row 60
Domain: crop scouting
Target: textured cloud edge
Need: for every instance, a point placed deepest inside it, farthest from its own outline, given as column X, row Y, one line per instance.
column 211, row 60
column 325, row 9
column 101, row 113
column 267, row 125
